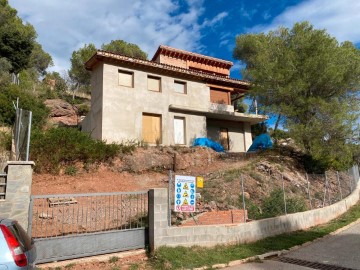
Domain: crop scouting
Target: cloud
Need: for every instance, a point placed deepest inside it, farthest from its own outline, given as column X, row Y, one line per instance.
column 65, row 26
column 339, row 17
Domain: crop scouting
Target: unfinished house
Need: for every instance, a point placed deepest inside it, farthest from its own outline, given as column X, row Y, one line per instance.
column 171, row 100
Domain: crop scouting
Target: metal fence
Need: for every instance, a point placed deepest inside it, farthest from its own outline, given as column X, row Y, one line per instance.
column 22, row 131
column 69, row 214
column 266, row 194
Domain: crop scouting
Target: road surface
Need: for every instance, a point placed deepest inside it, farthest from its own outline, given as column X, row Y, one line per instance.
column 342, row 251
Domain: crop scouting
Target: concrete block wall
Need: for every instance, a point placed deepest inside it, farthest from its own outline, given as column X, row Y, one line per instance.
column 18, row 191
column 210, row 235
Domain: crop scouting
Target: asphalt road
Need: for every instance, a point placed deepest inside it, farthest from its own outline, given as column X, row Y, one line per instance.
column 341, row 250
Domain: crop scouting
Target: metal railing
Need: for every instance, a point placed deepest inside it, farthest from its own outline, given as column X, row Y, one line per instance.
column 66, row 214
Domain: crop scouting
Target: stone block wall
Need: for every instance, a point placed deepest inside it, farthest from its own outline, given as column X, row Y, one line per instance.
column 18, row 191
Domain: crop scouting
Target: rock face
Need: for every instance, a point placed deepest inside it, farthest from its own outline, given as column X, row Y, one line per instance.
column 62, row 112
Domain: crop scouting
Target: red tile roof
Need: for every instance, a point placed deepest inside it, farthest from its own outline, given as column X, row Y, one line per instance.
column 104, row 56
column 185, row 55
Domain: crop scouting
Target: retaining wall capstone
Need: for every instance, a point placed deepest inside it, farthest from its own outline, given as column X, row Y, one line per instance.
column 161, row 234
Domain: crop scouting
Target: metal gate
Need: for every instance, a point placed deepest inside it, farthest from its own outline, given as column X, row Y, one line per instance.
column 68, row 226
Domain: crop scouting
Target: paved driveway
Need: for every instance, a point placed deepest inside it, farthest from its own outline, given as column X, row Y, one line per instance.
column 342, row 251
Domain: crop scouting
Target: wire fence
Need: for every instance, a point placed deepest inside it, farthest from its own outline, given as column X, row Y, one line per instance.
column 238, row 196
column 22, row 131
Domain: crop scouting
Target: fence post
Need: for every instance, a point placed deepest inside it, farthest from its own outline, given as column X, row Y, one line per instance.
column 325, row 189
column 283, row 186
column 243, row 196
column 308, row 188
column 28, row 137
column 338, row 179
column 328, row 186
column 169, row 197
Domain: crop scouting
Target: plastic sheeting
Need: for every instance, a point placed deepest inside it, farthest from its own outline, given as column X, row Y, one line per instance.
column 208, row 143
column 261, row 142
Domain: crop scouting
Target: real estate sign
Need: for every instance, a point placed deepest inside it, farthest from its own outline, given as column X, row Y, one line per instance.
column 185, row 193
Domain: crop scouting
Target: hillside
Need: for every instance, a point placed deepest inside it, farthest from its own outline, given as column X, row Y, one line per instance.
column 148, row 168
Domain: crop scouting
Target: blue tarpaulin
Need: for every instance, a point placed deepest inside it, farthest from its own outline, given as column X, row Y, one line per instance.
column 208, row 143
column 262, row 141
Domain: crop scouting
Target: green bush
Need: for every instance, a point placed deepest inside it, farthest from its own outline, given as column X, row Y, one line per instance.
column 273, row 205
column 83, row 109
column 5, row 141
column 27, row 101
column 58, row 147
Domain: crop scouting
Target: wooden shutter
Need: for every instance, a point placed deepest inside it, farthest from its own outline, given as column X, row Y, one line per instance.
column 151, row 128
column 220, row 97
column 126, row 78
column 154, row 84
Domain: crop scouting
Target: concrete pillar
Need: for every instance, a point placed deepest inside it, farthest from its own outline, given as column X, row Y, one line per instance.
column 18, row 191
column 158, row 215
column 247, row 136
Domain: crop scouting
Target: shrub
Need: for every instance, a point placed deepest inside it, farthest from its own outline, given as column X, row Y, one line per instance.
column 83, row 109
column 59, row 147
column 273, row 205
column 5, row 141
column 9, row 94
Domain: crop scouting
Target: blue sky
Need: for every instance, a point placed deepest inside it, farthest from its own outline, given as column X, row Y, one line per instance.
column 203, row 26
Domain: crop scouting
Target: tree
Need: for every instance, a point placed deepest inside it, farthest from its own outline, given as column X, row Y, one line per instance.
column 40, row 60
column 16, row 39
column 81, row 77
column 309, row 78
column 78, row 74
column 122, row 47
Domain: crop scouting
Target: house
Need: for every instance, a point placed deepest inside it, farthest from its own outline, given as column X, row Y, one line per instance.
column 171, row 100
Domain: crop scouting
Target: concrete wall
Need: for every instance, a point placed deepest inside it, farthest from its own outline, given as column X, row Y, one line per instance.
column 18, row 191
column 161, row 234
column 116, row 110
column 124, row 106
column 235, row 132
column 93, row 121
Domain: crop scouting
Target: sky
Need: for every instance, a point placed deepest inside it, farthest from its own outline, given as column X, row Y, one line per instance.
column 203, row 26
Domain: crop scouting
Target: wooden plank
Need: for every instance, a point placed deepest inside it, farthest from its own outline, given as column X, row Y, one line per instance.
column 61, row 201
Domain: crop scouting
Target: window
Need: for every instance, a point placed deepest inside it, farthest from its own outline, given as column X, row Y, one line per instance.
column 126, row 78
column 180, row 87
column 219, row 96
column 154, row 83
column 179, row 130
column 151, row 128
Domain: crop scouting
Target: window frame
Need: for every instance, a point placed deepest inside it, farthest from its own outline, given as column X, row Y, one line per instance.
column 127, row 72
column 154, row 78
column 184, row 129
column 182, row 83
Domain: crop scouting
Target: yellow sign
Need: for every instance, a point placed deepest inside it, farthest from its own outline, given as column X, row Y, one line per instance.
column 185, row 194
column 186, row 186
column 199, row 182
column 185, row 202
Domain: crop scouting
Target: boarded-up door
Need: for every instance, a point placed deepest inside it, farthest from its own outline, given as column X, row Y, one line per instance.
column 224, row 138
column 179, row 130
column 151, row 128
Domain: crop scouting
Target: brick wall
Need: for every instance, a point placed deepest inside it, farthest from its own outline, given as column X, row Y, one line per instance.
column 217, row 218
